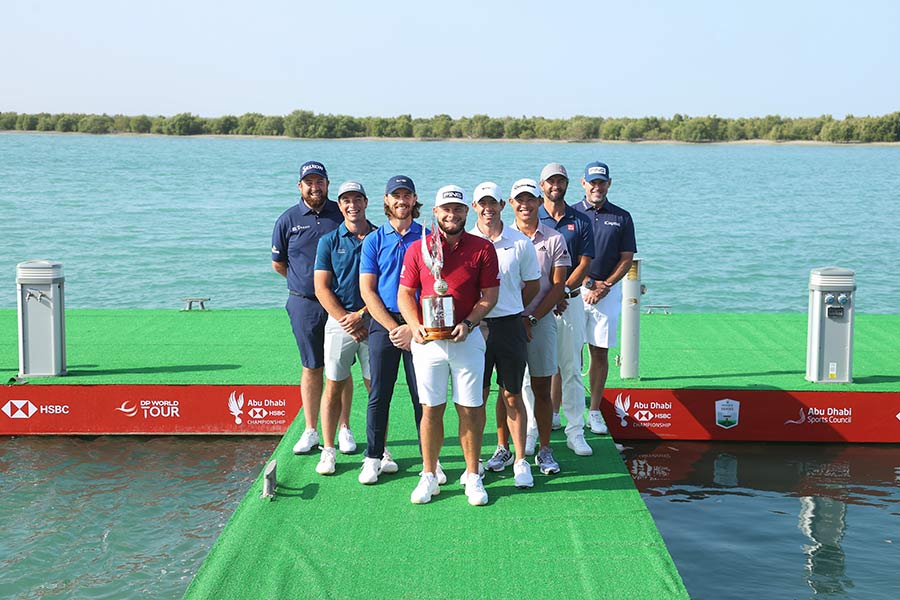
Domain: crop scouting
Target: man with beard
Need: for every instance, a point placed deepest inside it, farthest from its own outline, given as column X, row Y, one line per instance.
column 540, row 323
column 578, row 234
column 294, row 242
column 347, row 328
column 470, row 276
column 507, row 343
column 389, row 335
column 615, row 247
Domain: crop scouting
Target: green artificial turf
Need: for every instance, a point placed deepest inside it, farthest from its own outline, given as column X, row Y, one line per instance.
column 247, row 346
column 584, row 533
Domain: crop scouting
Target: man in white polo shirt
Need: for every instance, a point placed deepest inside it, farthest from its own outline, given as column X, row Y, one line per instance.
column 507, row 344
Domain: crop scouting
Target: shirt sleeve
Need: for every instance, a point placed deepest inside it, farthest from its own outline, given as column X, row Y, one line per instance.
column 368, row 256
column 409, row 275
column 280, row 241
column 323, row 254
column 559, row 254
column 529, row 267
column 489, row 277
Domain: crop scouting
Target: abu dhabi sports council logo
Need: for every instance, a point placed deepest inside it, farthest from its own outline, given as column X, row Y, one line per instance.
column 19, row 409
column 128, row 409
column 799, row 421
column 622, row 407
column 235, row 406
column 728, row 413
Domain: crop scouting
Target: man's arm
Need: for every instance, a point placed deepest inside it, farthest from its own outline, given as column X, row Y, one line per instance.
column 530, row 290
column 406, row 302
column 602, row 287
column 368, row 289
column 484, row 305
column 280, row 268
column 580, row 271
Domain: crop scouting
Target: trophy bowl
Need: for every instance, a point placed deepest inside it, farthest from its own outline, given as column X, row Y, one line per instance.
column 437, row 316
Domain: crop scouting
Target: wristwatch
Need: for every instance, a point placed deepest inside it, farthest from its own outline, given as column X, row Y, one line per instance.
column 532, row 319
column 589, row 284
column 469, row 324
column 566, row 290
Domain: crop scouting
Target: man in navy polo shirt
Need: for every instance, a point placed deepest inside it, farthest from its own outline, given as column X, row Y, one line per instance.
column 347, row 329
column 576, row 231
column 294, row 241
column 615, row 247
column 389, row 336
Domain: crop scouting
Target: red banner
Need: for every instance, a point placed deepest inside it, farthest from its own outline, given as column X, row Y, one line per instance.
column 147, row 409
column 753, row 415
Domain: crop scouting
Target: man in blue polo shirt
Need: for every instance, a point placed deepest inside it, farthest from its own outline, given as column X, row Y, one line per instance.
column 347, row 329
column 294, row 241
column 576, row 231
column 389, row 336
column 615, row 247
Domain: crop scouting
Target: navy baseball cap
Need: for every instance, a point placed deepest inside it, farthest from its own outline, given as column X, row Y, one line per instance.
column 312, row 167
column 398, row 182
column 596, row 170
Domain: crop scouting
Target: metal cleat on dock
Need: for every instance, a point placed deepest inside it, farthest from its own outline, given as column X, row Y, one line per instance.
column 269, row 481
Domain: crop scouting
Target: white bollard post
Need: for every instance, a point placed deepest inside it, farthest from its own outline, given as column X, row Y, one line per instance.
column 630, row 346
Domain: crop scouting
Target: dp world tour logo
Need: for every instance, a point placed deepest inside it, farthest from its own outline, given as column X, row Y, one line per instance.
column 622, row 407
column 127, row 409
column 19, row 409
column 235, row 406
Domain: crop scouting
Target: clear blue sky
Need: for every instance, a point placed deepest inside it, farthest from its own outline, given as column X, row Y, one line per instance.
column 555, row 59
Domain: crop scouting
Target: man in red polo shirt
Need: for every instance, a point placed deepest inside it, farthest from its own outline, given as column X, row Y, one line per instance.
column 471, row 273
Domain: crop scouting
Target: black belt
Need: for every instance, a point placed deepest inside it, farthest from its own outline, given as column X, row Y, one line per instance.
column 504, row 318
column 299, row 295
column 398, row 317
column 573, row 293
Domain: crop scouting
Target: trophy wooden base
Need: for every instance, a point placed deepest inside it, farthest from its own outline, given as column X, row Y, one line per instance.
column 438, row 333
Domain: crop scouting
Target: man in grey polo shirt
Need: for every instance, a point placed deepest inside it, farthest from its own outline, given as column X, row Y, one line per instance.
column 540, row 324
column 507, row 344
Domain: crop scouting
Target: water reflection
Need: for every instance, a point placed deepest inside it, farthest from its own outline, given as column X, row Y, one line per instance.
column 842, row 500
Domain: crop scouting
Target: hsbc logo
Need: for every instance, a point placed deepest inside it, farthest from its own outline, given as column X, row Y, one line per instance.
column 19, row 409
column 258, row 413
column 643, row 416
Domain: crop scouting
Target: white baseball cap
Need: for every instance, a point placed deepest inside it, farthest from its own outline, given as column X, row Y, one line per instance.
column 526, row 185
column 450, row 194
column 488, row 188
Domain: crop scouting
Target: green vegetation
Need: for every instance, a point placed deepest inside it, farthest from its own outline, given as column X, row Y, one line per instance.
column 306, row 124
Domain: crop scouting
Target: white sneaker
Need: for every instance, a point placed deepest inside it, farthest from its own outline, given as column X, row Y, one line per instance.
column 522, row 472
column 501, row 459
column 577, row 444
column 465, row 474
column 307, row 441
column 371, row 469
column 346, row 442
column 530, row 441
column 388, row 464
column 439, row 474
column 556, row 423
column 596, row 422
column 326, row 462
column 475, row 490
column 428, row 487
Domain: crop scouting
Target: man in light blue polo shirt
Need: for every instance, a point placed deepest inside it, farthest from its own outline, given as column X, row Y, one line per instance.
column 347, row 329
column 389, row 336
column 294, row 240
column 615, row 247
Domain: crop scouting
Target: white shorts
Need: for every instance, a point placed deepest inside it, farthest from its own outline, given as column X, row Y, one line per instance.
column 439, row 362
column 543, row 360
column 602, row 319
column 341, row 350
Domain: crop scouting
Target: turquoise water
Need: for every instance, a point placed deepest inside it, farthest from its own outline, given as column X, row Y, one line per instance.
column 144, row 221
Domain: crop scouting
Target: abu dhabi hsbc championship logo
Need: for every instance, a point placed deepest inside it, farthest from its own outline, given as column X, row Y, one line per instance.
column 257, row 413
column 622, row 407
column 19, row 409
column 235, row 407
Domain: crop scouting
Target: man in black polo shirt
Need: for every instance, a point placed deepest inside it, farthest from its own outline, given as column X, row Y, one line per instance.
column 294, row 241
column 614, row 249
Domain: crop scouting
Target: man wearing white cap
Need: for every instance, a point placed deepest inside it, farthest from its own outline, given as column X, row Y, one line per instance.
column 507, row 343
column 468, row 276
column 577, row 231
column 336, row 279
column 540, row 323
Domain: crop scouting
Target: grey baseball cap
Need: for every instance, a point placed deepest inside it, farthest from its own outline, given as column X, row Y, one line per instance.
column 553, row 169
column 351, row 186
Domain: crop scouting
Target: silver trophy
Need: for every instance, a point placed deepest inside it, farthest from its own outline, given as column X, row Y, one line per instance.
column 437, row 310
